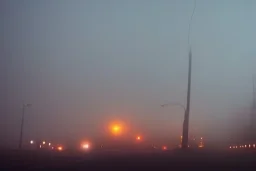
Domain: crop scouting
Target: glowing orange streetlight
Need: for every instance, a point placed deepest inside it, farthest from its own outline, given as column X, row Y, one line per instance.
column 116, row 129
column 85, row 146
column 164, row 148
column 138, row 138
column 60, row 148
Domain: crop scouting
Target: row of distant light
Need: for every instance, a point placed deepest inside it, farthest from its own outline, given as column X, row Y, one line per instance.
column 243, row 146
column 32, row 142
column 59, row 148
column 86, row 145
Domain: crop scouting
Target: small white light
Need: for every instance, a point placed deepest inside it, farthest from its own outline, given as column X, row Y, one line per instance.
column 31, row 142
column 49, row 144
column 43, row 142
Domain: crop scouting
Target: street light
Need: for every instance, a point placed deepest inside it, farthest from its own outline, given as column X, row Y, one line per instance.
column 60, row 148
column 85, row 146
column 22, row 123
column 116, row 129
column 184, row 143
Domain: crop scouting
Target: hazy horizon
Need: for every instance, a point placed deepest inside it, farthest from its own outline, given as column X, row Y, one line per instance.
column 84, row 64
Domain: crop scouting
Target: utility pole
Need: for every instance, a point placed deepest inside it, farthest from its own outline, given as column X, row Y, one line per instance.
column 254, row 97
column 22, row 123
column 185, row 132
column 253, row 114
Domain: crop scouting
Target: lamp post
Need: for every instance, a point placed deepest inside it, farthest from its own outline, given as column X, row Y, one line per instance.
column 22, row 123
column 184, row 143
column 185, row 131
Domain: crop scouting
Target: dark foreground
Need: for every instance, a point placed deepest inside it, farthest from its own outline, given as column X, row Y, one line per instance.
column 132, row 161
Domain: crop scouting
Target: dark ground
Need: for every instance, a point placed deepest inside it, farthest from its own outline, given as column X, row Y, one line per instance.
column 229, row 160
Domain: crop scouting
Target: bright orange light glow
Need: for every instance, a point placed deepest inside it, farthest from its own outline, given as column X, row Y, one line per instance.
column 164, row 148
column 138, row 138
column 85, row 146
column 60, row 148
column 43, row 142
column 116, row 129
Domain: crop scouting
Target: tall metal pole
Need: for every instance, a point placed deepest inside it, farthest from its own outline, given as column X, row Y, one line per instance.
column 253, row 114
column 21, row 128
column 185, row 132
column 22, row 123
column 254, row 98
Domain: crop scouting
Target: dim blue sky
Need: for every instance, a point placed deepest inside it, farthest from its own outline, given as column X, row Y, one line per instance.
column 83, row 63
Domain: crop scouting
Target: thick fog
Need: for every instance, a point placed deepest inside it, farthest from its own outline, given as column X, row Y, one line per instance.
column 85, row 63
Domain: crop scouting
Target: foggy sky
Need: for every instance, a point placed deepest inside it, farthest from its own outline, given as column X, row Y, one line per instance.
column 84, row 63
